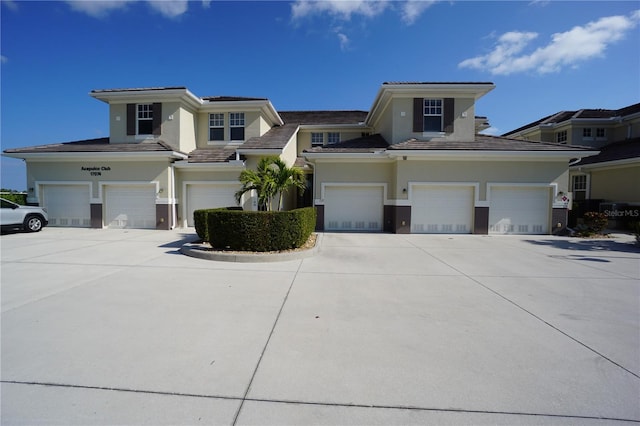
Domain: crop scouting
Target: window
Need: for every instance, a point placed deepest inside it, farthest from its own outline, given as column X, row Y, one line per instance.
column 216, row 127
column 586, row 133
column 561, row 137
column 432, row 115
column 236, row 126
column 317, row 138
column 600, row 133
column 145, row 119
column 579, row 187
column 333, row 137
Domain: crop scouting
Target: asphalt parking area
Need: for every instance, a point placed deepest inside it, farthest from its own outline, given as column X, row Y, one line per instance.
column 117, row 327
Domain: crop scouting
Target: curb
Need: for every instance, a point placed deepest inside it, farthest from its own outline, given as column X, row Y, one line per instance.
column 197, row 251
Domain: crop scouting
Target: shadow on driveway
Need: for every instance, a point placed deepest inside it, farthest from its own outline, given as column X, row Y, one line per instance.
column 177, row 244
column 600, row 246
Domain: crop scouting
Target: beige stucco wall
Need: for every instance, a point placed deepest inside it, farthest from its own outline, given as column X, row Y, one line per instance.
column 482, row 172
column 170, row 128
column 118, row 171
column 348, row 172
column 616, row 184
column 398, row 174
column 304, row 136
column 401, row 111
column 254, row 126
column 187, row 130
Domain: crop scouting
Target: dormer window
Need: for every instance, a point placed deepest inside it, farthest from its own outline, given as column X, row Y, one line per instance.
column 145, row 119
column 236, row 126
column 432, row 121
column 317, row 139
column 433, row 115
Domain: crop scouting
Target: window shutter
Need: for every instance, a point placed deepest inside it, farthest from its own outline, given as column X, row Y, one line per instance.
column 131, row 119
column 156, row 124
column 418, row 115
column 449, row 115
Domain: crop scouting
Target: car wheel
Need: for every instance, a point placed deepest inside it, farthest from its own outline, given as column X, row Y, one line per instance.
column 33, row 223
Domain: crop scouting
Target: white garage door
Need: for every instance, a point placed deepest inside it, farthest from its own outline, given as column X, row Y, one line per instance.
column 519, row 210
column 130, row 206
column 209, row 196
column 67, row 205
column 353, row 208
column 441, row 209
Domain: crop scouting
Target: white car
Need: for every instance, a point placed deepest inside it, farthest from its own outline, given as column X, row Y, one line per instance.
column 29, row 218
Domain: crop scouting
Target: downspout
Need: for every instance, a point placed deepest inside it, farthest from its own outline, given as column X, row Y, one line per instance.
column 172, row 181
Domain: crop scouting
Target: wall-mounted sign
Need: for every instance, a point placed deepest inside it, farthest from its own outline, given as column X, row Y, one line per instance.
column 95, row 170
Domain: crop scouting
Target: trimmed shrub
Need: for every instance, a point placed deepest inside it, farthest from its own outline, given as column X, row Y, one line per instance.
column 259, row 230
column 201, row 224
column 596, row 222
column 16, row 197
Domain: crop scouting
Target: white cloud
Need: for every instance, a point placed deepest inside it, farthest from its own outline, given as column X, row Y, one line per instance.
column 344, row 41
column 170, row 9
column 98, row 8
column 3, row 59
column 11, row 5
column 340, row 8
column 566, row 49
column 101, row 8
column 412, row 9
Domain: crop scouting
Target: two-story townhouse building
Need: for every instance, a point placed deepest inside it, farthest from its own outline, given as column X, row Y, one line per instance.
column 612, row 176
column 412, row 163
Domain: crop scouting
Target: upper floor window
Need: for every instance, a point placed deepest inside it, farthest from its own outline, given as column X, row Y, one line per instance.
column 432, row 121
column 600, row 132
column 586, row 133
column 145, row 119
column 333, row 137
column 561, row 137
column 216, row 127
column 317, row 138
column 236, row 126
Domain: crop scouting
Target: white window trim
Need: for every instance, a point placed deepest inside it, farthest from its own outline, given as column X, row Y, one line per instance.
column 139, row 119
column 216, row 127
column 321, row 143
column 441, row 115
column 329, row 137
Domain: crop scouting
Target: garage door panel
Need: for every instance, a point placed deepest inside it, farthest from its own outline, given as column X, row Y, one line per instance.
column 354, row 208
column 67, row 205
column 442, row 209
column 519, row 210
column 209, row 196
column 130, row 207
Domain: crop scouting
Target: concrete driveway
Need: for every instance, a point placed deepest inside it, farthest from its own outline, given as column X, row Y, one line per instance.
column 116, row 327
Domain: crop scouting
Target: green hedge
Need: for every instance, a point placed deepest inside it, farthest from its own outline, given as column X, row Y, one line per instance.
column 200, row 221
column 259, row 230
column 16, row 197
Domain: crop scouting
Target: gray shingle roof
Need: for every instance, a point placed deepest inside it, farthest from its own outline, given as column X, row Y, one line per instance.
column 484, row 143
column 231, row 98
column 139, row 89
column 364, row 144
column 212, row 155
column 616, row 151
column 95, row 145
column 324, row 117
column 276, row 138
column 561, row 116
column 462, row 83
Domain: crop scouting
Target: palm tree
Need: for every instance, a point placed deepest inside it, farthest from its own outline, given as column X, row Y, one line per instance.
column 272, row 177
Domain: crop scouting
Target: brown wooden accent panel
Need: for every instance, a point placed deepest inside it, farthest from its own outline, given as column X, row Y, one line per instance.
column 96, row 215
column 156, row 123
column 559, row 216
column 481, row 221
column 163, row 216
column 320, row 218
column 418, row 115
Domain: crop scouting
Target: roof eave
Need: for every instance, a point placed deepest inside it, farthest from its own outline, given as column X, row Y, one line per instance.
column 121, row 156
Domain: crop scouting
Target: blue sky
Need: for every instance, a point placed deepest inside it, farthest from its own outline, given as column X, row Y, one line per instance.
column 543, row 56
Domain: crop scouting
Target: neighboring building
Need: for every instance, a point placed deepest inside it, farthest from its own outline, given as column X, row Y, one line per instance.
column 610, row 177
column 413, row 163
